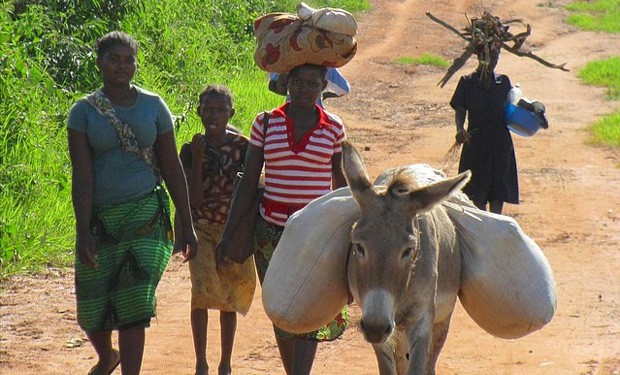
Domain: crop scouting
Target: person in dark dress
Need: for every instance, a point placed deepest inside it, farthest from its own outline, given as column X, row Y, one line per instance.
column 488, row 151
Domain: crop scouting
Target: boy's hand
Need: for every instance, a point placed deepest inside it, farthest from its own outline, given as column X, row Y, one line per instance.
column 198, row 146
column 221, row 254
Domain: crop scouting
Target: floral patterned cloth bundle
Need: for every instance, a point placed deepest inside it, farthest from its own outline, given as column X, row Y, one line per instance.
column 312, row 36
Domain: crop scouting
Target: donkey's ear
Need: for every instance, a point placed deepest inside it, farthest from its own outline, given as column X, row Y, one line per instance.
column 428, row 196
column 355, row 173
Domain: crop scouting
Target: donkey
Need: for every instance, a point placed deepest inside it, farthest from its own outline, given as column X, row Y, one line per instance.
column 404, row 268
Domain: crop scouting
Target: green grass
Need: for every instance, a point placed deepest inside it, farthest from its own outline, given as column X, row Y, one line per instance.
column 606, row 131
column 599, row 15
column 47, row 62
column 604, row 73
column 425, row 59
column 603, row 16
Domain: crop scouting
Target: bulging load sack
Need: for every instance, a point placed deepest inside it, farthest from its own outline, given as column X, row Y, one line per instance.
column 322, row 37
column 305, row 285
column 507, row 285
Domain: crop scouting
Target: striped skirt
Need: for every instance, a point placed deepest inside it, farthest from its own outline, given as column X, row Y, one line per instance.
column 134, row 245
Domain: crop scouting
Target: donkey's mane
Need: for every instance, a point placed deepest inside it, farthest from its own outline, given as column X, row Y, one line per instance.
column 402, row 182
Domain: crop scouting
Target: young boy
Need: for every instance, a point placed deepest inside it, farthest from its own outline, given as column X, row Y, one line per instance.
column 212, row 162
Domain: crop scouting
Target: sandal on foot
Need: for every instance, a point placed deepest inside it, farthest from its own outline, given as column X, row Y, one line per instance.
column 116, row 360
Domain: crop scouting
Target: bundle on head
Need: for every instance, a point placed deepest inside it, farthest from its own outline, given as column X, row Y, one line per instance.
column 486, row 36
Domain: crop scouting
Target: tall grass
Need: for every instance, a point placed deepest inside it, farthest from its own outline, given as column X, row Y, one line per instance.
column 47, row 61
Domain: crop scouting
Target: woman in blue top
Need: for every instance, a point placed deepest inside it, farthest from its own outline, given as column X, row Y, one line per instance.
column 122, row 146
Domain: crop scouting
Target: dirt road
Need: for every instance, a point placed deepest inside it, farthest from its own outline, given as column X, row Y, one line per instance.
column 570, row 206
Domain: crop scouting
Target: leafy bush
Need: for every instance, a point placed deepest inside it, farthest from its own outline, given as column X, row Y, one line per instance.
column 47, row 61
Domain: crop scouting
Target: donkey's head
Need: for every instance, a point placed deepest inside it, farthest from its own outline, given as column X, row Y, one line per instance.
column 386, row 240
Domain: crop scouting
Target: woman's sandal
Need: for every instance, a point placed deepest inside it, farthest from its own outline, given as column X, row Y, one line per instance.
column 116, row 360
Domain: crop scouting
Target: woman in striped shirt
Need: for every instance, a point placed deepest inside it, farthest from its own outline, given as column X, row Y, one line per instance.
column 301, row 151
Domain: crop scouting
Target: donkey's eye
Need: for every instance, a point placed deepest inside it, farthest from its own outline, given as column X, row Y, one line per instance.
column 359, row 250
column 407, row 254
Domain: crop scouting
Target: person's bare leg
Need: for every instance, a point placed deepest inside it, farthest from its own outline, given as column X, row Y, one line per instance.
column 305, row 351
column 496, row 206
column 102, row 343
column 287, row 353
column 200, row 320
column 131, row 345
column 481, row 205
column 228, row 327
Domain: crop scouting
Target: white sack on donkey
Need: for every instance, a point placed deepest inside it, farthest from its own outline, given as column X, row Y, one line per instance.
column 405, row 268
column 305, row 284
column 507, row 285
column 415, row 222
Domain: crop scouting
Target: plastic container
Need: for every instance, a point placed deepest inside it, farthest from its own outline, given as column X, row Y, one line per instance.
column 521, row 121
column 515, row 94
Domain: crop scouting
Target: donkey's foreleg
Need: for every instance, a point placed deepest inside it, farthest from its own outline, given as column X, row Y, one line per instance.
column 440, row 333
column 385, row 358
column 420, row 340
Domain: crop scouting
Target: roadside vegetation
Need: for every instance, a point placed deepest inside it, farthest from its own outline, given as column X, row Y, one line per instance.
column 601, row 16
column 425, row 59
column 598, row 15
column 47, row 61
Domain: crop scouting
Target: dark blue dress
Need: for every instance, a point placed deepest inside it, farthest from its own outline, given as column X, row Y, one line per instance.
column 490, row 153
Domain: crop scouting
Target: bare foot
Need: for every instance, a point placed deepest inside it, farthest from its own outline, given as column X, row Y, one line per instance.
column 107, row 368
column 202, row 369
column 224, row 370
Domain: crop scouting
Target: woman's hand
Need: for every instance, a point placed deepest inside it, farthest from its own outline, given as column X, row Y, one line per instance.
column 462, row 136
column 186, row 244
column 86, row 250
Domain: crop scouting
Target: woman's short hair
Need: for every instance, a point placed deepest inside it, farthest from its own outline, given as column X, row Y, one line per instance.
column 115, row 38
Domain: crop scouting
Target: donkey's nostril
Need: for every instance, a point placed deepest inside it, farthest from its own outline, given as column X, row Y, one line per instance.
column 388, row 329
column 376, row 333
column 362, row 326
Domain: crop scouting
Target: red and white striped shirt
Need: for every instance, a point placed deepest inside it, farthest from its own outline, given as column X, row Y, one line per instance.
column 295, row 173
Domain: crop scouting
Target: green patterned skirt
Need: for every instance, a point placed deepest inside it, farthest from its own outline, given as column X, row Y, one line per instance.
column 134, row 245
column 266, row 237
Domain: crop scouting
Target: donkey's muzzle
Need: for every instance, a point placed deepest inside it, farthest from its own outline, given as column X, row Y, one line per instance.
column 376, row 333
column 377, row 322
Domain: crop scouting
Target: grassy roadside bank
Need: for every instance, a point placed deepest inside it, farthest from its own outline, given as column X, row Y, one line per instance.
column 601, row 16
column 47, row 62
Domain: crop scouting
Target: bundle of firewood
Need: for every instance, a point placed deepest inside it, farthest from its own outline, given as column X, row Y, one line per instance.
column 488, row 35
